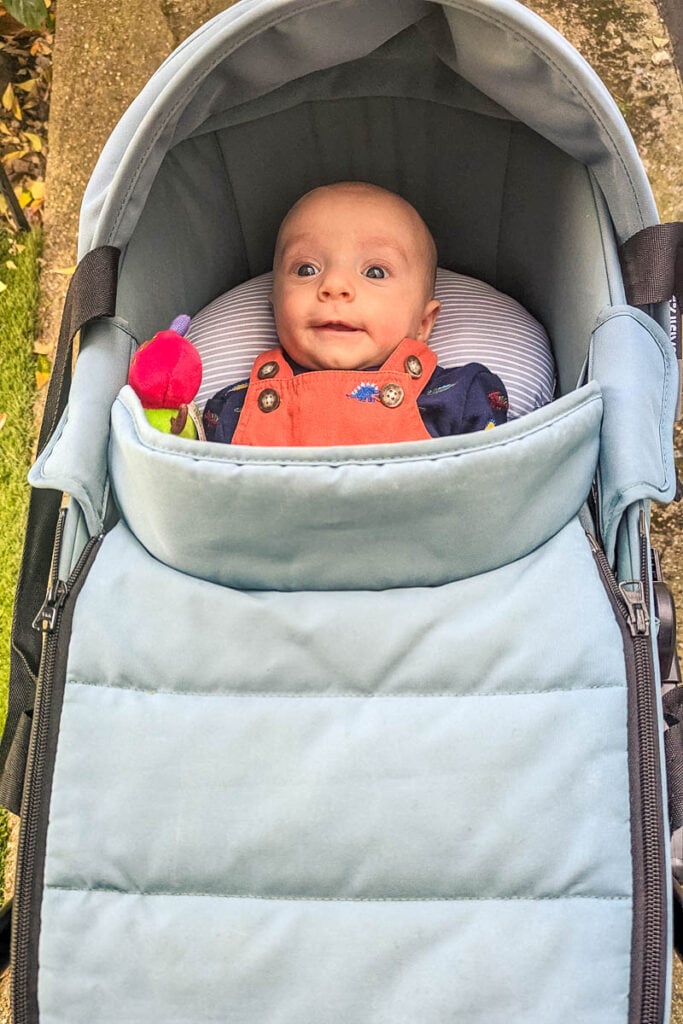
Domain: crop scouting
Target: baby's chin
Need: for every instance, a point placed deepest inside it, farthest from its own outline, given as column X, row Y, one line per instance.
column 342, row 360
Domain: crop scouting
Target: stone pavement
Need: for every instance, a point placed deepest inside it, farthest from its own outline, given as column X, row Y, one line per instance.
column 104, row 54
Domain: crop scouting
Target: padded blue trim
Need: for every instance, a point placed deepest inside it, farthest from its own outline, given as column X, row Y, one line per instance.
column 414, row 514
column 634, row 363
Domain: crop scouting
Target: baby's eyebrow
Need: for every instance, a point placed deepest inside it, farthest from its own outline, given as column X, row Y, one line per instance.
column 387, row 243
column 297, row 241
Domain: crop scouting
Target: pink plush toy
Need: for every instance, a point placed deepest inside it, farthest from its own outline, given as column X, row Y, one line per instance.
column 165, row 374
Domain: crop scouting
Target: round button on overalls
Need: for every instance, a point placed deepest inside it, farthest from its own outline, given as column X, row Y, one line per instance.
column 391, row 395
column 268, row 400
column 268, row 370
column 413, row 366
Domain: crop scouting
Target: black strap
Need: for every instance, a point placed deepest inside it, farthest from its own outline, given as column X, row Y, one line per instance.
column 673, row 749
column 652, row 267
column 91, row 295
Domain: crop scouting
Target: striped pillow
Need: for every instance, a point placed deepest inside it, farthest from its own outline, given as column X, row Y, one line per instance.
column 476, row 324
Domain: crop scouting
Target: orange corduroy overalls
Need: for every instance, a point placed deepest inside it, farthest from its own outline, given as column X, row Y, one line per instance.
column 336, row 407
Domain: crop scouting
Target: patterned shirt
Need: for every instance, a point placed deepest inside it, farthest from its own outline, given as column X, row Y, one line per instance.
column 455, row 400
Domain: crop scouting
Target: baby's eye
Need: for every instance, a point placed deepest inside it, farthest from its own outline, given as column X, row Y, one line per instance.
column 306, row 270
column 376, row 273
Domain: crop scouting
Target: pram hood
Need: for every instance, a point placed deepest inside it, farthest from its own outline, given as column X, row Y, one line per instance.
column 476, row 110
column 506, row 52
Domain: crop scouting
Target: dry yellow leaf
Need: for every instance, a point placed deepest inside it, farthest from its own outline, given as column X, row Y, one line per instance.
column 11, row 103
column 42, row 371
column 67, row 271
column 30, row 86
column 37, row 189
column 660, row 42
column 35, row 141
column 3, row 287
column 10, row 264
column 3, row 419
column 8, row 97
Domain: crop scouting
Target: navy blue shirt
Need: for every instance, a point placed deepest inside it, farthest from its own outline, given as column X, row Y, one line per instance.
column 455, row 400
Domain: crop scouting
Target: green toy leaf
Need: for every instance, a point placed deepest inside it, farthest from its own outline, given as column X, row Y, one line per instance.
column 31, row 13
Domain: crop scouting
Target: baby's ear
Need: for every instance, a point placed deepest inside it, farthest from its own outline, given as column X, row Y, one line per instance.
column 431, row 311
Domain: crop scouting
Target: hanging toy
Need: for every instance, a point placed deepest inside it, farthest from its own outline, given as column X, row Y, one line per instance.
column 165, row 374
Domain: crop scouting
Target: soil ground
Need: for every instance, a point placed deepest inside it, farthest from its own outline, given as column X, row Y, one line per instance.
column 104, row 53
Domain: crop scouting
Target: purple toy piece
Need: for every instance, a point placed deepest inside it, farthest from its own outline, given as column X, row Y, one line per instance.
column 180, row 324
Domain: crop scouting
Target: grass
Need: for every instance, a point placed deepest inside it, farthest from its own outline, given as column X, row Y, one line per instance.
column 18, row 312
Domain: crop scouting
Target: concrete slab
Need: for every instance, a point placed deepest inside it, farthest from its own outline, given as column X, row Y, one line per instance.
column 103, row 55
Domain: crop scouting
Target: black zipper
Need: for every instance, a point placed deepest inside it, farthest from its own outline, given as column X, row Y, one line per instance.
column 50, row 620
column 631, row 603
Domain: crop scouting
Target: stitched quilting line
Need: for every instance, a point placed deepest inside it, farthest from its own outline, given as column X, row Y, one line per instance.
column 274, row 695
column 299, row 898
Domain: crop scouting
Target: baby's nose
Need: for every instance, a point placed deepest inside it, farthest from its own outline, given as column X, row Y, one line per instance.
column 336, row 284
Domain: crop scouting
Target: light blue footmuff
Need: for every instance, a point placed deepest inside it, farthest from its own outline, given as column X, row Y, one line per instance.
column 364, row 735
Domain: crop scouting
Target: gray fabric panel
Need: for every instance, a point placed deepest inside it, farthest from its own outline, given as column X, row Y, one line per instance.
column 221, row 67
column 257, row 48
column 450, row 164
column 296, row 633
column 343, row 797
column 202, row 961
column 194, row 241
column 551, row 248
column 504, row 206
column 310, row 518
column 359, row 813
column 188, row 241
column 634, row 362
column 75, row 458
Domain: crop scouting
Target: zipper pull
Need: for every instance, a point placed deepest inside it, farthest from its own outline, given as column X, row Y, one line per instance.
column 638, row 617
column 46, row 619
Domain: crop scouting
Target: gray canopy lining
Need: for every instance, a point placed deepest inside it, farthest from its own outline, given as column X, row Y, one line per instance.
column 258, row 46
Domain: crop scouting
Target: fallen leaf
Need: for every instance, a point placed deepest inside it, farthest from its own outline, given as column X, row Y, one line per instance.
column 67, row 271
column 3, row 419
column 43, row 368
column 8, row 97
column 10, row 264
column 660, row 42
column 3, row 287
column 29, row 86
column 35, row 142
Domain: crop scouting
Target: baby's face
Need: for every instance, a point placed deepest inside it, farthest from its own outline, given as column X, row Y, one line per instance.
column 351, row 279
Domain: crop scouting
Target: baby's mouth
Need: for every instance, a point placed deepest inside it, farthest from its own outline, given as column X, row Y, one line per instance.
column 337, row 325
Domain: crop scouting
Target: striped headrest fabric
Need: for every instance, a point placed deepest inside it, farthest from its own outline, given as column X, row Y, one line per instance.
column 476, row 323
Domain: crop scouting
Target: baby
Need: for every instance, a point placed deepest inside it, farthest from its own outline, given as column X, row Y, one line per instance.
column 354, row 306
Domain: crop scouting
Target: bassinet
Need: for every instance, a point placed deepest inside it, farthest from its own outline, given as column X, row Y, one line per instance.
column 367, row 734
